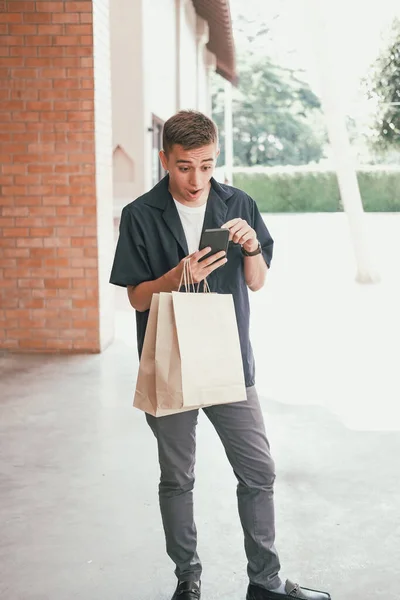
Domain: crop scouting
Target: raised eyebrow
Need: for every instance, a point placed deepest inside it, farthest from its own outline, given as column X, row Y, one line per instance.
column 181, row 161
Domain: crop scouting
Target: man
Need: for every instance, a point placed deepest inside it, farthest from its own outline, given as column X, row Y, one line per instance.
column 157, row 232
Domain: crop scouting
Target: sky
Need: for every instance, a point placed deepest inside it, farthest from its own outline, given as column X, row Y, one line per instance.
column 356, row 29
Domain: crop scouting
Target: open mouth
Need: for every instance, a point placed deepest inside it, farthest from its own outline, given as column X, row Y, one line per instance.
column 195, row 193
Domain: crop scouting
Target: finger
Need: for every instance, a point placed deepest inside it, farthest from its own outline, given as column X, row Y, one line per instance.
column 230, row 223
column 211, row 259
column 240, row 233
column 196, row 256
column 246, row 238
column 215, row 266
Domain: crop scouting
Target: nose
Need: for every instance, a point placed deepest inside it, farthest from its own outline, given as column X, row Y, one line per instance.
column 195, row 180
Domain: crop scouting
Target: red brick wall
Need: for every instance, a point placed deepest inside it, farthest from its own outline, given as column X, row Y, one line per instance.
column 48, row 231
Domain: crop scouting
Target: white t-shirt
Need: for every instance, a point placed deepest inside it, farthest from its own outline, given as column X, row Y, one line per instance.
column 192, row 218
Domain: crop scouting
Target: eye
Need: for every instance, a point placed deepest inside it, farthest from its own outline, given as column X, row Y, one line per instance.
column 207, row 168
column 183, row 169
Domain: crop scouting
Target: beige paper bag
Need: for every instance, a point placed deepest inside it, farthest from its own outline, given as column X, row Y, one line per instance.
column 209, row 345
column 145, row 395
column 167, row 356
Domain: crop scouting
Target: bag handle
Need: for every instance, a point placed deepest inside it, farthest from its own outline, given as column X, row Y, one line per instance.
column 188, row 281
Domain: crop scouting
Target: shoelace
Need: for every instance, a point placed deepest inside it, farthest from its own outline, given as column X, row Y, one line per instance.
column 295, row 591
column 195, row 592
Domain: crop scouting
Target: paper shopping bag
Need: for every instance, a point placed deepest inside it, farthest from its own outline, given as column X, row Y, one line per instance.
column 209, row 347
column 145, row 395
column 167, row 356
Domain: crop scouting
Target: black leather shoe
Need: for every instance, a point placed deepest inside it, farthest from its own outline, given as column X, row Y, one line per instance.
column 293, row 590
column 187, row 590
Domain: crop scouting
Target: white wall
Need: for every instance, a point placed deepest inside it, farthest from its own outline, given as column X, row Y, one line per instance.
column 154, row 58
column 160, row 58
column 104, row 186
column 128, row 99
column 188, row 50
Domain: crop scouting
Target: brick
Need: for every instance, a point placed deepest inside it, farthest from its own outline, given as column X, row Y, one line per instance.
column 17, row 252
column 52, row 94
column 22, row 29
column 57, row 344
column 15, row 232
column 34, row 344
column 25, row 242
column 31, row 283
column 20, row 7
column 36, row 62
column 37, row 17
column 57, row 242
column 12, row 40
column 70, row 231
column 13, row 62
column 6, row 222
column 76, row 7
column 40, row 168
column 14, row 211
column 41, row 231
column 56, row 200
column 50, row 29
column 39, row 40
column 53, row 51
column 40, row 190
column 53, row 116
column 44, row 293
column 65, row 18
column 59, row 303
column 27, row 179
column 12, row 17
column 30, row 262
column 67, row 40
column 81, row 29
column 54, row 73
column 86, row 17
column 52, row 7
column 57, row 283
column 69, row 252
column 57, row 262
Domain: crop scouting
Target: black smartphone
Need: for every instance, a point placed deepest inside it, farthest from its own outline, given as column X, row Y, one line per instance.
column 216, row 239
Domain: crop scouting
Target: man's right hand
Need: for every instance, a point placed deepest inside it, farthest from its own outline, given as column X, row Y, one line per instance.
column 201, row 270
column 141, row 295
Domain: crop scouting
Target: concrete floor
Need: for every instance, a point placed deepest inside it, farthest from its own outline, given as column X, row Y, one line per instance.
column 78, row 466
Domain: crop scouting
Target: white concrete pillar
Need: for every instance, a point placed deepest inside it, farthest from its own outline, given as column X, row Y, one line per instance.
column 335, row 114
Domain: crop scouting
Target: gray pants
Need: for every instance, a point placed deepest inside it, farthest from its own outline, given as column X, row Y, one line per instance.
column 241, row 429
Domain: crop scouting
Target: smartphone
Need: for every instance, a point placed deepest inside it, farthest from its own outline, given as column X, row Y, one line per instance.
column 216, row 239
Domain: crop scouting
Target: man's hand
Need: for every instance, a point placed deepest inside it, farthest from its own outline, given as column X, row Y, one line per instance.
column 241, row 233
column 201, row 270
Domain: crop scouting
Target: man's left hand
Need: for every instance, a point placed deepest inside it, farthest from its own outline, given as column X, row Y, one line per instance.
column 241, row 233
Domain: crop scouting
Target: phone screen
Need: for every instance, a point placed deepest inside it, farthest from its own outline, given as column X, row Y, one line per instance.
column 216, row 239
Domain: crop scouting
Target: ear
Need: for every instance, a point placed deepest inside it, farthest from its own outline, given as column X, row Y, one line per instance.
column 163, row 159
column 218, row 152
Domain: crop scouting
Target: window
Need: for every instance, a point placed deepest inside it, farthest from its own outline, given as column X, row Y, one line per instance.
column 157, row 170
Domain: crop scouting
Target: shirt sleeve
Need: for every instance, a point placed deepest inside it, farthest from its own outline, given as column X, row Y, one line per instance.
column 263, row 235
column 131, row 263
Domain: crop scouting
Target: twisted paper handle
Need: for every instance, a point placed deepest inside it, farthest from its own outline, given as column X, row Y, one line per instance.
column 188, row 281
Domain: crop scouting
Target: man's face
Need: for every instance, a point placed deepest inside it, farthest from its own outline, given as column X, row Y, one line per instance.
column 190, row 172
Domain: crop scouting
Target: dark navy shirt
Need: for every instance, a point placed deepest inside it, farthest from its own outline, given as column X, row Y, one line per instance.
column 152, row 242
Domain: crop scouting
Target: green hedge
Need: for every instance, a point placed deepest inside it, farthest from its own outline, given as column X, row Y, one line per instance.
column 317, row 191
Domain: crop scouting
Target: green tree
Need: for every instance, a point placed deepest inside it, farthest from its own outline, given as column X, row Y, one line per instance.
column 384, row 87
column 275, row 113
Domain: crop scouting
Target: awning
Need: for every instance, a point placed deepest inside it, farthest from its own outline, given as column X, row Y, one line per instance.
column 218, row 16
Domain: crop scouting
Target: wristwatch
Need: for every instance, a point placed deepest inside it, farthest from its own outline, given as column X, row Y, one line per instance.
column 254, row 253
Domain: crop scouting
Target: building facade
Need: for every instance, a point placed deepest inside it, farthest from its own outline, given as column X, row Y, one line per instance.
column 85, row 88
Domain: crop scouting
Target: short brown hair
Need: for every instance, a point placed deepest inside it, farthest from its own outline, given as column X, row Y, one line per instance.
column 189, row 129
